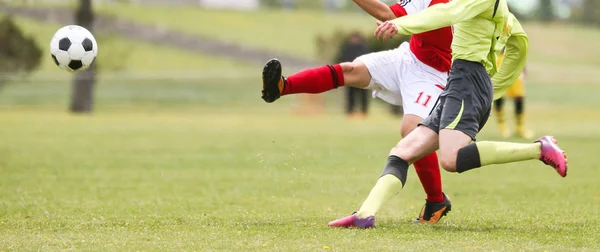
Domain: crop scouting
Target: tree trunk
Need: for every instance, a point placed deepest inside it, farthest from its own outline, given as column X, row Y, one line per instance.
column 82, row 98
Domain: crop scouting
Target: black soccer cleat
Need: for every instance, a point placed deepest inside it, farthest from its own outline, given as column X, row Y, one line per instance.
column 273, row 82
column 432, row 212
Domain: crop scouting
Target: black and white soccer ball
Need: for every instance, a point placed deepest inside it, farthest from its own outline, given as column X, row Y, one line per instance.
column 73, row 48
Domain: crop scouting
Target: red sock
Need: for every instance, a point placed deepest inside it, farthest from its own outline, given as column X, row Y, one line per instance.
column 315, row 80
column 428, row 170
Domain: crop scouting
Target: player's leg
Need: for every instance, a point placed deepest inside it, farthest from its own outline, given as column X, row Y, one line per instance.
column 420, row 142
column 500, row 117
column 517, row 92
column 427, row 168
column 521, row 130
column 358, row 74
column 421, row 87
column 349, row 101
column 466, row 110
column 364, row 101
column 313, row 80
column 485, row 153
column 417, row 144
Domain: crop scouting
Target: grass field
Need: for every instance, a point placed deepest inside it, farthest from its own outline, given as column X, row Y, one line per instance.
column 179, row 164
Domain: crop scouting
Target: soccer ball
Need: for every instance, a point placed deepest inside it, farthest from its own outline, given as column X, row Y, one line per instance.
column 73, row 48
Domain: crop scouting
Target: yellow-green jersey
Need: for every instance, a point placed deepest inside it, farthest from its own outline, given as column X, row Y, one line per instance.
column 480, row 28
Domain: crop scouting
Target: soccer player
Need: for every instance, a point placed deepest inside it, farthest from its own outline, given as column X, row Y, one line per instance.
column 516, row 92
column 464, row 106
column 412, row 75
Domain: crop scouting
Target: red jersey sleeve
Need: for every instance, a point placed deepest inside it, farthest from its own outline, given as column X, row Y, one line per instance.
column 407, row 7
column 398, row 10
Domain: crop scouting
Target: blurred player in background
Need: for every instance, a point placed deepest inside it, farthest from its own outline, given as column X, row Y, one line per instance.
column 354, row 47
column 413, row 75
column 516, row 92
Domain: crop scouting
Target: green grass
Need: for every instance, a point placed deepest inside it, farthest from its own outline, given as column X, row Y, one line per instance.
column 124, row 55
column 563, row 45
column 176, row 165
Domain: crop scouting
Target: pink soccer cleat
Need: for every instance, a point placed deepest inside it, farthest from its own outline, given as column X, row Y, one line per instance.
column 552, row 155
column 353, row 221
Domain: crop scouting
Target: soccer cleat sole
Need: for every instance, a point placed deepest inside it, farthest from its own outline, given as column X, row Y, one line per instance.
column 271, row 76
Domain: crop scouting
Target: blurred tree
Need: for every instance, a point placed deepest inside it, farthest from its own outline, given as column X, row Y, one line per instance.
column 109, row 63
column 515, row 11
column 19, row 54
column 271, row 3
column 591, row 9
column 82, row 98
column 546, row 10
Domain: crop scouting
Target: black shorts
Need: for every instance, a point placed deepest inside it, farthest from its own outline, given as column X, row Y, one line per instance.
column 466, row 103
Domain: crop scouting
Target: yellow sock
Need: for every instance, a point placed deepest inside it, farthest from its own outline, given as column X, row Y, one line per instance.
column 499, row 116
column 502, row 123
column 519, row 122
column 522, row 131
column 386, row 188
column 503, row 152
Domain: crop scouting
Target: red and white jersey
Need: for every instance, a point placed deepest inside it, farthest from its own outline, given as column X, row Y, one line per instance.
column 432, row 47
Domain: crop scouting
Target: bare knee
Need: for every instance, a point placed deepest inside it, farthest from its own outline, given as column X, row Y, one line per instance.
column 409, row 153
column 406, row 154
column 349, row 70
column 449, row 164
column 356, row 74
column 448, row 159
column 347, row 67
column 451, row 141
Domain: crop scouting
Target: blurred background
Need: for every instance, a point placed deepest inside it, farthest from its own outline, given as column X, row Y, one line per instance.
column 167, row 144
column 208, row 53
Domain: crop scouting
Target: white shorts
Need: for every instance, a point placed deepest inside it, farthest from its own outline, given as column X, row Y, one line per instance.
column 399, row 78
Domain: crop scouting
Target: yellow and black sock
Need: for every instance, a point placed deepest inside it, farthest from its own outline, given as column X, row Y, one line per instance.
column 390, row 183
column 486, row 153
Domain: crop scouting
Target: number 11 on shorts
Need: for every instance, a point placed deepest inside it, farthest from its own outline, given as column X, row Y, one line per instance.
column 423, row 99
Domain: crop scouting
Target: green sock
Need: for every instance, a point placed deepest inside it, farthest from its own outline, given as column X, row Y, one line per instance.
column 503, row 152
column 387, row 187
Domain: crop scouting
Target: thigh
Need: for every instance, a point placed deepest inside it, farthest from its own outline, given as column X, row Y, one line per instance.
column 417, row 144
column 409, row 123
column 433, row 120
column 450, row 142
column 385, row 69
column 458, row 114
column 356, row 74
column 420, row 90
column 467, row 99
